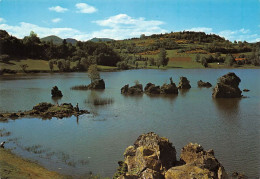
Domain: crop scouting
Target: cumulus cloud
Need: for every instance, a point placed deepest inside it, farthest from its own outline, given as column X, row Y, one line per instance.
column 85, row 8
column 56, row 20
column 123, row 26
column 2, row 20
column 58, row 9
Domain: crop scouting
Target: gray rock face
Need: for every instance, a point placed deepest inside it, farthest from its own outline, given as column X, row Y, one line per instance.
column 133, row 90
column 97, row 84
column 184, row 83
column 227, row 87
column 202, row 84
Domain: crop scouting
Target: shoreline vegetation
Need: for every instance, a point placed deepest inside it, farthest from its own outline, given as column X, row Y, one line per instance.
column 13, row 166
column 186, row 50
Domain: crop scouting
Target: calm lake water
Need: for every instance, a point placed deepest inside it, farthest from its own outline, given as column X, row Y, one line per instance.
column 95, row 142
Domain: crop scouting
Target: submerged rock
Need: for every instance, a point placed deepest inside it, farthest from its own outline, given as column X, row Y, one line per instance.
column 150, row 88
column 152, row 156
column 184, row 83
column 133, row 90
column 227, row 87
column 97, row 84
column 246, row 90
column 204, row 84
column 55, row 92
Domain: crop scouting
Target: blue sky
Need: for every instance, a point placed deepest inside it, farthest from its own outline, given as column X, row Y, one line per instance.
column 121, row 19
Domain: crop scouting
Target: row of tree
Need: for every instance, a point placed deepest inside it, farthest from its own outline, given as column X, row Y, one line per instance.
column 32, row 47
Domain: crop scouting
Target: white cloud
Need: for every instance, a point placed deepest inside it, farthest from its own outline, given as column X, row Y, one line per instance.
column 56, row 20
column 24, row 29
column 85, row 8
column 240, row 35
column 2, row 20
column 201, row 29
column 58, row 9
column 123, row 26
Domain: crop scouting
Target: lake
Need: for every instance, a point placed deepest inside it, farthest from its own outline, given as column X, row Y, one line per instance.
column 96, row 142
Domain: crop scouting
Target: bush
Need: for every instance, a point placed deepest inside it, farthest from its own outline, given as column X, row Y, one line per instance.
column 4, row 58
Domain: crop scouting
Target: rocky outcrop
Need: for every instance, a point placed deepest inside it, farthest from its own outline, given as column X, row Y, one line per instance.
column 202, row 84
column 150, row 88
column 169, row 88
column 48, row 110
column 154, row 157
column 97, row 84
column 55, row 92
column 184, row 83
column 227, row 87
column 133, row 90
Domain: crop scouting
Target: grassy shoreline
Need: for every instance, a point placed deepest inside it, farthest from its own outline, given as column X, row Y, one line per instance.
column 42, row 66
column 13, row 166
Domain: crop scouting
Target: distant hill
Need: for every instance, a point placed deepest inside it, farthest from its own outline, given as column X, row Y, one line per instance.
column 58, row 40
column 101, row 40
column 54, row 38
column 72, row 41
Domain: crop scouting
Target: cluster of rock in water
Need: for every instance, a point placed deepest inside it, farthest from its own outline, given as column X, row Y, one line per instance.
column 151, row 88
column 154, row 157
column 227, row 87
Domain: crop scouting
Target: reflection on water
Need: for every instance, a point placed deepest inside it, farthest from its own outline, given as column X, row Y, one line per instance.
column 184, row 92
column 229, row 126
column 228, row 107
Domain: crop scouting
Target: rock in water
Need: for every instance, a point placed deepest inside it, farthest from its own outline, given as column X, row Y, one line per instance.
column 154, row 157
column 133, row 90
column 55, row 92
column 150, row 88
column 227, row 87
column 184, row 83
column 204, row 84
column 169, row 89
column 97, row 84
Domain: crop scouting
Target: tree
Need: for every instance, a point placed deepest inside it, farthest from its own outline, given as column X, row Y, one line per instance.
column 93, row 73
column 197, row 58
column 204, row 62
column 24, row 67
column 51, row 65
column 136, row 64
column 229, row 60
column 163, row 59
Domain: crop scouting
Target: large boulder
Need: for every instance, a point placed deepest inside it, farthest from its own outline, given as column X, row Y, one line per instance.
column 150, row 88
column 97, row 84
column 154, row 157
column 150, row 156
column 198, row 163
column 55, row 92
column 227, row 87
column 133, row 90
column 184, row 83
column 202, row 84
